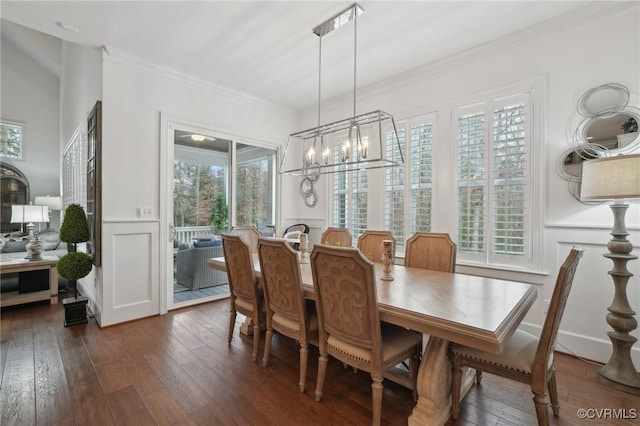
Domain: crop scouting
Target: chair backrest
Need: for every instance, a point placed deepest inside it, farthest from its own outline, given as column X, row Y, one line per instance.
column 304, row 229
column 337, row 237
column 346, row 297
column 281, row 280
column 370, row 244
column 547, row 342
column 250, row 235
column 431, row 250
column 243, row 283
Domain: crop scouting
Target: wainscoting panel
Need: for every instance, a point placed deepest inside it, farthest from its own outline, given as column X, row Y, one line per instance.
column 131, row 276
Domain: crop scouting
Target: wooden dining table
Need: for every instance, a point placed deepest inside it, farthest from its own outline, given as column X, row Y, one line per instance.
column 470, row 310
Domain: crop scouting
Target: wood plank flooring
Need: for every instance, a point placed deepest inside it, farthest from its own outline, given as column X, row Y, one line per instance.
column 177, row 369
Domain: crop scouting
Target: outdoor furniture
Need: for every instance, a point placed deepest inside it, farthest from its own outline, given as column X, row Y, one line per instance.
column 192, row 270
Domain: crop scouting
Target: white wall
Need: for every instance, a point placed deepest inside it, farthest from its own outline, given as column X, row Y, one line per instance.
column 592, row 47
column 135, row 95
column 80, row 88
column 30, row 94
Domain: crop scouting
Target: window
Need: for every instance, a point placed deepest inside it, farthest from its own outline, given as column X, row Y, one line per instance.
column 255, row 186
column 12, row 140
column 350, row 198
column 408, row 204
column 494, row 201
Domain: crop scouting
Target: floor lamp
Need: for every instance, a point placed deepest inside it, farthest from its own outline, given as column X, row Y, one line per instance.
column 617, row 178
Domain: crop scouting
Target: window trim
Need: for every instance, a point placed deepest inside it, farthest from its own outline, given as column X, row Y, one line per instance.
column 534, row 87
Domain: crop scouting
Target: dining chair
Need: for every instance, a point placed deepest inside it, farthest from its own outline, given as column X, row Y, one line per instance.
column 246, row 296
column 370, row 244
column 337, row 237
column 350, row 328
column 431, row 250
column 526, row 358
column 287, row 312
column 297, row 229
column 249, row 234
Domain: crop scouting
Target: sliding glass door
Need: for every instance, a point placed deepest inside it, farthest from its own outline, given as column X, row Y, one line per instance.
column 213, row 183
column 201, row 171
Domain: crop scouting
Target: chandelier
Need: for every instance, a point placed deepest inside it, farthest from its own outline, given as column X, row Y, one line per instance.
column 352, row 144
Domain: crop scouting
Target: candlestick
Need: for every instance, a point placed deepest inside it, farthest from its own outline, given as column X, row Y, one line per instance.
column 387, row 260
column 304, row 245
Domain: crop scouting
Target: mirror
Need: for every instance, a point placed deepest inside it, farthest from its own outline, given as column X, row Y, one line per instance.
column 612, row 133
column 609, row 127
column 603, row 100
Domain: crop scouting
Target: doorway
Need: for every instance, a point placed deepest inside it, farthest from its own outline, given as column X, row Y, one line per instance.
column 213, row 182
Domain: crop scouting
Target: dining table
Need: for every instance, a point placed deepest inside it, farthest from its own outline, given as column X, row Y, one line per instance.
column 474, row 311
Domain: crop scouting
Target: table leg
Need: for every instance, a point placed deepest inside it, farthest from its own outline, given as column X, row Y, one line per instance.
column 246, row 327
column 53, row 284
column 433, row 386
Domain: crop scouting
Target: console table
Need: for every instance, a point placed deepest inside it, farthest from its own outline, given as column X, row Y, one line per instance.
column 24, row 265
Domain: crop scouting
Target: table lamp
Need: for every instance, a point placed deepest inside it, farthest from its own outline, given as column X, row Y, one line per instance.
column 53, row 203
column 617, row 178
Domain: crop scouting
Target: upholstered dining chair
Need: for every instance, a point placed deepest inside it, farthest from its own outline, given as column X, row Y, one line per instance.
column 350, row 329
column 287, row 312
column 246, row 295
column 526, row 358
column 249, row 234
column 431, row 250
column 337, row 237
column 370, row 244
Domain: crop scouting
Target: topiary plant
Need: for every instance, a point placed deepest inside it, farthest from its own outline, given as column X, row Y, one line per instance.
column 75, row 226
column 74, row 229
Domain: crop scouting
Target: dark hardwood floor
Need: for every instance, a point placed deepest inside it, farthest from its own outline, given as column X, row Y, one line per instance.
column 177, row 369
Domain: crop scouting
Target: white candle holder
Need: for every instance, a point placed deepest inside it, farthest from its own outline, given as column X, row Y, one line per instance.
column 387, row 260
column 304, row 246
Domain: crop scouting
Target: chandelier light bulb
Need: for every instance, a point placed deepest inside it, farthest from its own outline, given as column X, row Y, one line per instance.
column 346, row 151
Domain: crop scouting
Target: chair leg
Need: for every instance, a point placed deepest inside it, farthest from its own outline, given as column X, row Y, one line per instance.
column 478, row 376
column 553, row 393
column 267, row 347
column 256, row 339
column 232, row 324
column 376, row 396
column 456, row 383
column 322, row 369
column 414, row 364
column 541, row 401
column 304, row 356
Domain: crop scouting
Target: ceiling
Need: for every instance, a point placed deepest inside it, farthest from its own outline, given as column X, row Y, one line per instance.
column 267, row 49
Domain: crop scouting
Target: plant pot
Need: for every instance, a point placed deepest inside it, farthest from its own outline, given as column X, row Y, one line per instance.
column 75, row 310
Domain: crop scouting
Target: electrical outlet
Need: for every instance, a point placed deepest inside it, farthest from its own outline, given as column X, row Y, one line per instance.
column 145, row 212
column 546, row 306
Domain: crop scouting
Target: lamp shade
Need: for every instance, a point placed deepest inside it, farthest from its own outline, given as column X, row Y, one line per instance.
column 54, row 203
column 36, row 214
column 611, row 178
column 17, row 213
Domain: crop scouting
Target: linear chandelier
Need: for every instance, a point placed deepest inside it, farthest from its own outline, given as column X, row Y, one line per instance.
column 355, row 143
